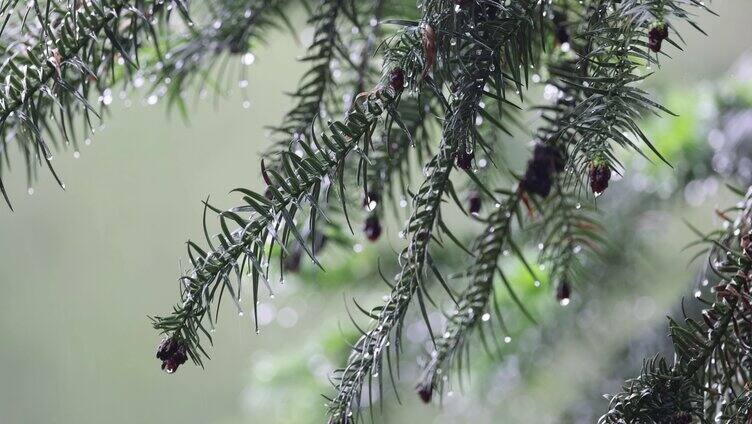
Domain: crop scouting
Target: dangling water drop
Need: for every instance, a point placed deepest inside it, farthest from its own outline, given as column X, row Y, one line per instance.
column 248, row 59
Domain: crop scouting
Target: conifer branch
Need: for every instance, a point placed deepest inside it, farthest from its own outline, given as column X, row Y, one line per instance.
column 270, row 221
column 557, row 225
column 481, row 58
column 390, row 158
column 228, row 28
column 472, row 305
column 567, row 228
column 315, row 101
column 565, row 225
column 56, row 54
column 562, row 226
column 614, row 55
column 708, row 380
column 315, row 85
column 368, row 352
column 459, row 45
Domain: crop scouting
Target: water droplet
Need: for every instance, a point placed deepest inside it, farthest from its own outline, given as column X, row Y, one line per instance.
column 486, row 316
column 106, row 97
column 248, row 59
column 507, row 339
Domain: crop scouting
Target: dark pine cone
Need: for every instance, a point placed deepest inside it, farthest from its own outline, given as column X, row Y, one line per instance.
column 372, row 228
column 656, row 36
column 291, row 262
column 425, row 391
column 600, row 174
column 536, row 181
column 473, row 203
column 546, row 162
column 549, row 156
column 173, row 353
column 397, row 80
column 563, row 292
column 562, row 34
column 464, row 160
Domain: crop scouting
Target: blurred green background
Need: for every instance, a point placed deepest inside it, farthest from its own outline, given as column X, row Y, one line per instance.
column 82, row 270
